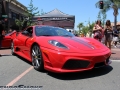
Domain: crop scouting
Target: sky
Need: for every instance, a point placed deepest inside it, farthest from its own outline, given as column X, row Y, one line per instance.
column 84, row 10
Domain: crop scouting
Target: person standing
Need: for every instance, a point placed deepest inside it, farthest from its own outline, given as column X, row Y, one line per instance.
column 108, row 34
column 115, row 37
column 1, row 35
column 97, row 31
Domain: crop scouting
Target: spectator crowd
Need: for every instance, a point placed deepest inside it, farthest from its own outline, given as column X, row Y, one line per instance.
column 107, row 34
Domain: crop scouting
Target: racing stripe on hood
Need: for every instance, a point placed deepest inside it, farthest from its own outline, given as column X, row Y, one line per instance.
column 82, row 42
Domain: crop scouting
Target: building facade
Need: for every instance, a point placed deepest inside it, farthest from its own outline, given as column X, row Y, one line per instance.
column 11, row 10
column 56, row 18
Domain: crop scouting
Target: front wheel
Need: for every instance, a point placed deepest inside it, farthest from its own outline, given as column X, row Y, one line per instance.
column 37, row 60
column 12, row 48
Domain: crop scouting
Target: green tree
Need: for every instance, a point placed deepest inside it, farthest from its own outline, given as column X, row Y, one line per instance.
column 80, row 25
column 90, row 27
column 42, row 12
column 111, row 4
column 85, row 30
column 30, row 13
column 19, row 23
column 99, row 15
column 102, row 16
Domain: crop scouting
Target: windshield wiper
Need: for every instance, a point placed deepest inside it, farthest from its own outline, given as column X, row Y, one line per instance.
column 46, row 35
column 66, row 35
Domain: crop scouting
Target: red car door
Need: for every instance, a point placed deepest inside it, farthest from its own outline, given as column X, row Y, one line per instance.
column 6, row 42
column 25, row 40
column 7, row 39
column 21, row 38
column 28, row 45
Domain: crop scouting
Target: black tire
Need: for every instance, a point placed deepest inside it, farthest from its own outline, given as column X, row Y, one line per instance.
column 12, row 48
column 37, row 60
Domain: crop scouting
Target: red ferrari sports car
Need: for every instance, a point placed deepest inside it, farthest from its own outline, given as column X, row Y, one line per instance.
column 57, row 50
column 7, row 39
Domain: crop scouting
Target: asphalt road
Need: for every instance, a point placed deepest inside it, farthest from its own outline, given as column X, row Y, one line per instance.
column 15, row 71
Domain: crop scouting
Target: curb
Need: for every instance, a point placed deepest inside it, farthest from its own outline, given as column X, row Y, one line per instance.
column 115, row 58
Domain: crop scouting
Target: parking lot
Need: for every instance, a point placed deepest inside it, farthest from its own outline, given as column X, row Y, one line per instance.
column 15, row 71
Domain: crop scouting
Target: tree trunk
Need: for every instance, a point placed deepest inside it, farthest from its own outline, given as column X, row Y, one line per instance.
column 115, row 22
column 115, row 13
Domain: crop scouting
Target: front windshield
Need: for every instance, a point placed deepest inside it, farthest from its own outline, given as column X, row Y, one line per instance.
column 51, row 31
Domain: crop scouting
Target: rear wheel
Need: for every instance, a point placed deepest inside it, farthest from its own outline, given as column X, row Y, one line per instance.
column 37, row 60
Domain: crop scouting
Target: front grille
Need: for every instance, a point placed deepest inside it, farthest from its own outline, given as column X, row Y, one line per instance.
column 99, row 64
column 75, row 64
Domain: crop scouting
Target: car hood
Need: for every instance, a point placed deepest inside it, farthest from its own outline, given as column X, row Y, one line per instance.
column 75, row 44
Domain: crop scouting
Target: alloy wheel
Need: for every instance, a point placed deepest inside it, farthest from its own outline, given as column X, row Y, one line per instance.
column 12, row 48
column 37, row 60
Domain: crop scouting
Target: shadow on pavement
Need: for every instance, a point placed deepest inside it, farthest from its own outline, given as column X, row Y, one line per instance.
column 23, row 59
column 83, row 75
column 26, row 61
column 75, row 76
column 5, row 55
column 113, row 53
column 4, row 48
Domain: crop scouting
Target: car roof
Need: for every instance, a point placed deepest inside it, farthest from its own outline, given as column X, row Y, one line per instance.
column 45, row 26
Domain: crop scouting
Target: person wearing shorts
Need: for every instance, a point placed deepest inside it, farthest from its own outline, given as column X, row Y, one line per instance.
column 108, row 34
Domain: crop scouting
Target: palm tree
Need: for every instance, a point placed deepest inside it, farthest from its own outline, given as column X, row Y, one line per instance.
column 111, row 4
column 91, row 25
column 80, row 25
column 85, row 30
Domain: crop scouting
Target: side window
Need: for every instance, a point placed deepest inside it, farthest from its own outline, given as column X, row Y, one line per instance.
column 28, row 31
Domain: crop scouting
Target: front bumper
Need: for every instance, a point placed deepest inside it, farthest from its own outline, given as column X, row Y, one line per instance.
column 61, row 62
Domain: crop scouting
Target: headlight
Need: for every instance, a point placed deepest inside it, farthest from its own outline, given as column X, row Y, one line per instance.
column 57, row 44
